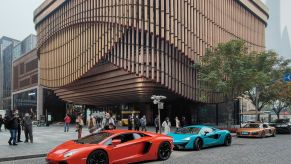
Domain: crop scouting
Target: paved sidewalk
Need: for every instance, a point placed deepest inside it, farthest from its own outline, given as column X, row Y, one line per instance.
column 45, row 139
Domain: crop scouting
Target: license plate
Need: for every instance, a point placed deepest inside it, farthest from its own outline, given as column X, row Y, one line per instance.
column 244, row 133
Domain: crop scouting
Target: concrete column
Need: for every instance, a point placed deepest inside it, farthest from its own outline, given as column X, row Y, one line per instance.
column 39, row 109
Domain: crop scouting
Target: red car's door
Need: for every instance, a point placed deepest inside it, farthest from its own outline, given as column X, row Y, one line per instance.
column 129, row 150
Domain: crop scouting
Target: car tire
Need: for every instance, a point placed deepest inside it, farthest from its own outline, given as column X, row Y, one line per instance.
column 263, row 134
column 198, row 144
column 98, row 156
column 274, row 133
column 164, row 151
column 227, row 140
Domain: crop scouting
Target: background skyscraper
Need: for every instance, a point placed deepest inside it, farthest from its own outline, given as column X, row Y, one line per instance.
column 277, row 31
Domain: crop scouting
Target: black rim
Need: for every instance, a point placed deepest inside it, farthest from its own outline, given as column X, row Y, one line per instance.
column 199, row 144
column 263, row 134
column 98, row 157
column 165, row 150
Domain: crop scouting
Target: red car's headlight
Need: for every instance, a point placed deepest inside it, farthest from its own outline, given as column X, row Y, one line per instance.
column 70, row 153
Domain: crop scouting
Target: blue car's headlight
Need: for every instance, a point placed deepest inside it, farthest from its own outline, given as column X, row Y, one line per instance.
column 187, row 139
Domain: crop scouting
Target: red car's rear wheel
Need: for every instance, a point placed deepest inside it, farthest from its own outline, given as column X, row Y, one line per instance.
column 164, row 151
column 98, row 157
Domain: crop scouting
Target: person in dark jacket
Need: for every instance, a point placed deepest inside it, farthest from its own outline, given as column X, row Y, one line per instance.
column 12, row 124
column 27, row 125
column 19, row 125
column 1, row 122
column 136, row 123
column 129, row 120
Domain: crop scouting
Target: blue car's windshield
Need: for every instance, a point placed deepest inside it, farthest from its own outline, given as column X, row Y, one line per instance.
column 188, row 130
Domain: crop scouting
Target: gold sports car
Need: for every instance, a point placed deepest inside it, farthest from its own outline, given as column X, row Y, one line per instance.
column 261, row 130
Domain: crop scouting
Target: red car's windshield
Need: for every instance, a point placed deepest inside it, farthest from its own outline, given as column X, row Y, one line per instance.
column 94, row 138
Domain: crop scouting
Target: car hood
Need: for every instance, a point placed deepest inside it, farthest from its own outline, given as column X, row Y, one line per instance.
column 59, row 151
column 180, row 136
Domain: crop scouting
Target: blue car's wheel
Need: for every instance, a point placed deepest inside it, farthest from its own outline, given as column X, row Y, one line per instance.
column 198, row 144
column 227, row 140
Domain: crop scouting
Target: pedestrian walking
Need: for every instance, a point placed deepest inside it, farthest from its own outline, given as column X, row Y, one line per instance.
column 12, row 125
column 136, row 123
column 107, row 120
column 27, row 125
column 178, row 124
column 166, row 126
column 143, row 123
column 157, row 125
column 1, row 122
column 129, row 120
column 19, row 126
column 79, row 125
column 91, row 122
column 67, row 120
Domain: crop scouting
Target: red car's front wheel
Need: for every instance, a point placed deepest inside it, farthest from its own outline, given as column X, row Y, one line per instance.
column 164, row 151
column 98, row 157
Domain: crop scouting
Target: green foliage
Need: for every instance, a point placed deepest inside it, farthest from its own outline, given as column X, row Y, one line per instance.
column 228, row 69
column 231, row 69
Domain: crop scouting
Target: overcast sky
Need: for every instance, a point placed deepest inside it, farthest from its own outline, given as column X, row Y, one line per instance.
column 16, row 18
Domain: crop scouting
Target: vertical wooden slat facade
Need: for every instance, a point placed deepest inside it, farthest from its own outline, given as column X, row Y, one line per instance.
column 154, row 40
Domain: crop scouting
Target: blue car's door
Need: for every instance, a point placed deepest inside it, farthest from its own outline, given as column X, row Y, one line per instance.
column 210, row 137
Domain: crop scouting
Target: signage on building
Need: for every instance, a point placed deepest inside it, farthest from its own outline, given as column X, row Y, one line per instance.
column 287, row 77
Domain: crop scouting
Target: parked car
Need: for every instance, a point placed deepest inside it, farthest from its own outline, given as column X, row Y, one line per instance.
column 282, row 125
column 114, row 146
column 253, row 129
column 199, row 136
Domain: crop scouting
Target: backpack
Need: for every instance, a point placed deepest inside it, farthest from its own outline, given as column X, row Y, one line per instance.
column 8, row 123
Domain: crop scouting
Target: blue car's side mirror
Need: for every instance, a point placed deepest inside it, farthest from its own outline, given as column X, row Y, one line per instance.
column 205, row 133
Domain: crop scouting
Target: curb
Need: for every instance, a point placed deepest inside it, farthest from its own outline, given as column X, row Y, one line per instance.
column 22, row 157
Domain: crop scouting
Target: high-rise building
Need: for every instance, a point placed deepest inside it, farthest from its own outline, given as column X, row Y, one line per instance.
column 277, row 34
column 115, row 54
column 8, row 43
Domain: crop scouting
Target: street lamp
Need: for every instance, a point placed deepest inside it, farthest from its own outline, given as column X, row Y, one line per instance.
column 157, row 100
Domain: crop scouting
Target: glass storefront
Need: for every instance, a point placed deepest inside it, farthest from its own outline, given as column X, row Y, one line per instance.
column 26, row 102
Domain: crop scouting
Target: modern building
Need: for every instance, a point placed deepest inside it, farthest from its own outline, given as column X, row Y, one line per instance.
column 113, row 55
column 25, row 46
column 6, row 45
column 28, row 95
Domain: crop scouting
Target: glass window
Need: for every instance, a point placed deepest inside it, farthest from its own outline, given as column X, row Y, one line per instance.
column 252, row 126
column 188, row 130
column 94, row 138
column 205, row 130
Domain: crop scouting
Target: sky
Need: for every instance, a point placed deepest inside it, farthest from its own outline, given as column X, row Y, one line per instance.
column 16, row 18
column 16, row 21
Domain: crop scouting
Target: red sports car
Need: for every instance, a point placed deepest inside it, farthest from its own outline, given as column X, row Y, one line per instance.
column 114, row 146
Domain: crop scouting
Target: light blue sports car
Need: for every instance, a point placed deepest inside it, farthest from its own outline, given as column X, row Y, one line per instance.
column 199, row 136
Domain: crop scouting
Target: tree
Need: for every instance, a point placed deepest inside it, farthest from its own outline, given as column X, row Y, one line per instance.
column 269, row 68
column 228, row 68
column 280, row 93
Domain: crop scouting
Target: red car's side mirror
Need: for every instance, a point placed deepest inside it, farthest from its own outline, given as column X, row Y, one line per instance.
column 115, row 142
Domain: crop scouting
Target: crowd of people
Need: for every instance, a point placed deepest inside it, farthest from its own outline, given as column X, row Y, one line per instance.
column 107, row 123
column 136, row 123
column 15, row 123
